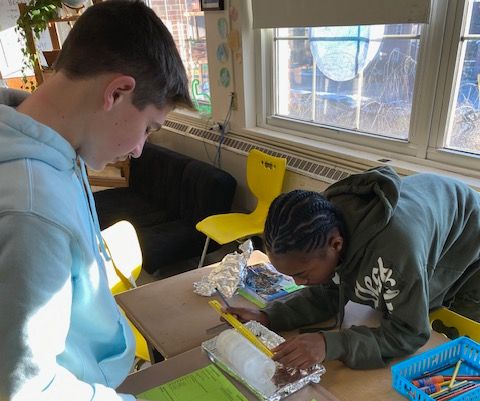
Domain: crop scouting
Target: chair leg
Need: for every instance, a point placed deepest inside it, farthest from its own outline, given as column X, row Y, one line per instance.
column 202, row 258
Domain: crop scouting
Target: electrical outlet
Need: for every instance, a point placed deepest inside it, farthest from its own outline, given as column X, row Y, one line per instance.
column 216, row 127
column 234, row 101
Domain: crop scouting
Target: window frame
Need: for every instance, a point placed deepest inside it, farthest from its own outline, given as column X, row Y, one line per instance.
column 433, row 97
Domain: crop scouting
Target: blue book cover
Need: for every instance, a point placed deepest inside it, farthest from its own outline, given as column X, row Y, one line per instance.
column 264, row 284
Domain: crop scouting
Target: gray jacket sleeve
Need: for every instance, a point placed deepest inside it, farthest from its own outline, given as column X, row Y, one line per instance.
column 309, row 305
column 404, row 327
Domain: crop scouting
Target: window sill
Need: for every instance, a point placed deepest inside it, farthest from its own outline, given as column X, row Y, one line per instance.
column 352, row 156
column 358, row 156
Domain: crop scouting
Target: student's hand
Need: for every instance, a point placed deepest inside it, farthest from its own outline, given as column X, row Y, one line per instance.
column 301, row 351
column 245, row 314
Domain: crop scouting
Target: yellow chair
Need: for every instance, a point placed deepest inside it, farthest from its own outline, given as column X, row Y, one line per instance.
column 123, row 247
column 265, row 175
column 453, row 325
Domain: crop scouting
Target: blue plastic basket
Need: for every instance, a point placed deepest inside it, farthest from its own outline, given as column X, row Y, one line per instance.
column 441, row 360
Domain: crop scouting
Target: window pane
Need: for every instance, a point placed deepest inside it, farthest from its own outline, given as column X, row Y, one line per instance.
column 288, row 32
column 186, row 23
column 359, row 78
column 475, row 21
column 465, row 132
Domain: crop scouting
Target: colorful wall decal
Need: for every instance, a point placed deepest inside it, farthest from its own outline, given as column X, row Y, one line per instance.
column 224, row 77
column 222, row 27
column 233, row 12
column 234, row 42
column 222, row 53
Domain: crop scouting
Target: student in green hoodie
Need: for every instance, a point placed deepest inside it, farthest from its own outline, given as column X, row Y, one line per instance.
column 402, row 246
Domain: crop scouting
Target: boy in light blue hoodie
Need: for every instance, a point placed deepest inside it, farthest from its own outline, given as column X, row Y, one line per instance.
column 117, row 77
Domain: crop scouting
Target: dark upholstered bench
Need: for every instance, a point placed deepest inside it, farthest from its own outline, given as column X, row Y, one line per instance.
column 167, row 195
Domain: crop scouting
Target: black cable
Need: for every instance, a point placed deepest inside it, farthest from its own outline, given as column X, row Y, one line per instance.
column 223, row 130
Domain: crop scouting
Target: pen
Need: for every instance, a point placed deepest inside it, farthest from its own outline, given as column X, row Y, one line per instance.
column 223, row 298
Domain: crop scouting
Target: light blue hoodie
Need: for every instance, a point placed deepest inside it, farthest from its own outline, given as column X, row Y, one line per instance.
column 62, row 336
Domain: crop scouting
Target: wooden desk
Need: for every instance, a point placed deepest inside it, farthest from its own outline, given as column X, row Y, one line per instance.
column 171, row 317
column 373, row 385
column 180, row 365
column 338, row 383
column 174, row 320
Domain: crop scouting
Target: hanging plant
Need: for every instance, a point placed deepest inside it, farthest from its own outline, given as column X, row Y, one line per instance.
column 34, row 18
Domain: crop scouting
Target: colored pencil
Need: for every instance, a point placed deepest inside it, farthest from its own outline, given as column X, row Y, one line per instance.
column 455, row 373
column 457, row 392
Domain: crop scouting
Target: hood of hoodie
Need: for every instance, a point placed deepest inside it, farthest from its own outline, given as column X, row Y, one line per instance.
column 367, row 201
column 23, row 137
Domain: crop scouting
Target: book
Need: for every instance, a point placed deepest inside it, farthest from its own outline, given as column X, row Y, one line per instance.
column 263, row 284
column 205, row 384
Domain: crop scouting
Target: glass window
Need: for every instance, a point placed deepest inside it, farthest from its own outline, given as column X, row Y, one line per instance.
column 359, row 78
column 186, row 23
column 412, row 90
column 464, row 128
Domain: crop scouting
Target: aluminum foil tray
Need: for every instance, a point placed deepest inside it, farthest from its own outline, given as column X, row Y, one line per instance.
column 284, row 383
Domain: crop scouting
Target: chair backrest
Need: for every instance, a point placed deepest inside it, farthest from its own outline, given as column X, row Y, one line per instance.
column 454, row 325
column 265, row 176
column 205, row 191
column 122, row 243
column 156, row 176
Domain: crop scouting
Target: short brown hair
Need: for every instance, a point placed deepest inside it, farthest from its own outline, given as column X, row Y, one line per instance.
column 127, row 37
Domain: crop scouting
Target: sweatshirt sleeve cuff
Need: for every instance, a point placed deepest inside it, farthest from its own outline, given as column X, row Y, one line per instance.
column 275, row 317
column 335, row 347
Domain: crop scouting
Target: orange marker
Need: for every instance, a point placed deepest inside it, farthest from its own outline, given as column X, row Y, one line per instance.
column 428, row 380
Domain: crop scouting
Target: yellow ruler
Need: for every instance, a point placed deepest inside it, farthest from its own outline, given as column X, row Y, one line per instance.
column 237, row 325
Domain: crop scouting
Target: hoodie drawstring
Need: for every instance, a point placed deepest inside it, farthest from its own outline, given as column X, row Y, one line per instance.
column 93, row 211
column 128, row 281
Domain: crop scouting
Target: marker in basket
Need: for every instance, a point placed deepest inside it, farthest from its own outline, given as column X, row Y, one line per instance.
column 455, row 373
column 429, row 380
column 237, row 325
column 431, row 388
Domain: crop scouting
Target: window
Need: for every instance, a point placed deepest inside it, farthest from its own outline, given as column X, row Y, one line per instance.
column 464, row 129
column 359, row 78
column 410, row 89
column 186, row 23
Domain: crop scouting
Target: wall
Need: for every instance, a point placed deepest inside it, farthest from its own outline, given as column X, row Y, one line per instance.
column 232, row 162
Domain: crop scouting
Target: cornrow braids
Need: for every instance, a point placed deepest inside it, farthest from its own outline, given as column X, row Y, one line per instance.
column 300, row 221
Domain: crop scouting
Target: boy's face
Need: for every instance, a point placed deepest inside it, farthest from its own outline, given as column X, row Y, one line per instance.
column 312, row 268
column 122, row 132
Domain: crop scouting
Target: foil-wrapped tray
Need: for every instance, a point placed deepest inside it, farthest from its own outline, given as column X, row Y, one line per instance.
column 285, row 382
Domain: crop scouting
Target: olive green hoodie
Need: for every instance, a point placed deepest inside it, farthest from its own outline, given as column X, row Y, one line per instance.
column 412, row 243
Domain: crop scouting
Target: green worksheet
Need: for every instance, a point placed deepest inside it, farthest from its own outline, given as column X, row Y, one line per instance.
column 206, row 384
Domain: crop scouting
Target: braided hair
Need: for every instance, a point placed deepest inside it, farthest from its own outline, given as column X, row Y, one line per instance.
column 301, row 221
